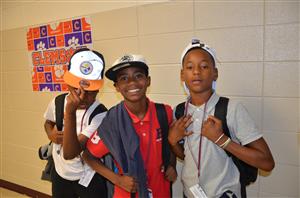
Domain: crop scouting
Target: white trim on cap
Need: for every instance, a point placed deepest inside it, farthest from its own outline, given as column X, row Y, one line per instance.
column 121, row 66
column 128, row 58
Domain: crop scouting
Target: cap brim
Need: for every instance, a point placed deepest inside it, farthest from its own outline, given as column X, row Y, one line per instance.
column 111, row 73
column 74, row 81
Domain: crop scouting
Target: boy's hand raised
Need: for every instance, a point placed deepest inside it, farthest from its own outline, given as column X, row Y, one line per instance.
column 212, row 128
column 74, row 99
column 178, row 128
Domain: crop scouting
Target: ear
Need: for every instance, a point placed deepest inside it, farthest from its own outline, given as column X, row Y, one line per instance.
column 117, row 87
column 216, row 74
column 148, row 81
column 181, row 75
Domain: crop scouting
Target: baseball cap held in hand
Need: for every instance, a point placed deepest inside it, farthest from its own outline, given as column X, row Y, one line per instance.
column 86, row 68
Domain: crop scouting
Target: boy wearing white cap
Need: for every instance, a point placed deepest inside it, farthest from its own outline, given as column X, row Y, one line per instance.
column 208, row 171
column 71, row 177
column 134, row 134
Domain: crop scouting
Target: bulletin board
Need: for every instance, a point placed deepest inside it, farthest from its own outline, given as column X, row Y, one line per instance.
column 50, row 47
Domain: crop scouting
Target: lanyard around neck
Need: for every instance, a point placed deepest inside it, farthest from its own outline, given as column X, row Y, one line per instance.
column 197, row 162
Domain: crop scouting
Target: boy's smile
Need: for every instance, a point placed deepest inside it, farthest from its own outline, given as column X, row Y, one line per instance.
column 132, row 83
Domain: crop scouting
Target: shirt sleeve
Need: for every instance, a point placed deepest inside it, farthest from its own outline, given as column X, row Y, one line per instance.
column 96, row 147
column 241, row 124
column 95, row 123
column 50, row 111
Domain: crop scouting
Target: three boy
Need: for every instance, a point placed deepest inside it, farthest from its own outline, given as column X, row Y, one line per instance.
column 131, row 133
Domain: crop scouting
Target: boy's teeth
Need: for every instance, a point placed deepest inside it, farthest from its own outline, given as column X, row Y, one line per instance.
column 133, row 90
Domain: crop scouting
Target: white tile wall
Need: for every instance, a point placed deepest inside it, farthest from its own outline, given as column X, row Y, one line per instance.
column 165, row 79
column 26, row 101
column 235, row 44
column 216, row 14
column 114, row 48
column 121, row 23
column 282, row 12
column 164, row 48
column 281, row 79
column 252, row 193
column 242, row 79
column 23, row 13
column 165, row 17
column 110, row 99
column 12, row 147
column 12, row 16
column 18, row 81
column 281, row 42
column 14, row 39
column 280, row 114
column 284, row 181
column 284, row 146
column 16, row 60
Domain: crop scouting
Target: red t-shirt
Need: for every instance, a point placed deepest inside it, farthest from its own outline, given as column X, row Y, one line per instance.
column 151, row 150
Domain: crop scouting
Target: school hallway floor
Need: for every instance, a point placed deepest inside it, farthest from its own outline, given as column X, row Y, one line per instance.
column 5, row 193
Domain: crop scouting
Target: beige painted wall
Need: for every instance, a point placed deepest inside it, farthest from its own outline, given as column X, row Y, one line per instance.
column 257, row 44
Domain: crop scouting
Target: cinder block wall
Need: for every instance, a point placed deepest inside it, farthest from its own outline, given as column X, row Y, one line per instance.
column 257, row 46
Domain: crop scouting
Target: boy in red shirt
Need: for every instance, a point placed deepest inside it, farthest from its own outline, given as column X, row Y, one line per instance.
column 131, row 133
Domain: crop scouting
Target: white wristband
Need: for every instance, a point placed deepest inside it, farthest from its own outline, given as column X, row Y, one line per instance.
column 223, row 146
column 219, row 138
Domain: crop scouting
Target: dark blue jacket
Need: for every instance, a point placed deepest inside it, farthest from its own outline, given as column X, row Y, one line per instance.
column 119, row 136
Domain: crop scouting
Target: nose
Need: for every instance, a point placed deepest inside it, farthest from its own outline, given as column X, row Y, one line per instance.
column 196, row 70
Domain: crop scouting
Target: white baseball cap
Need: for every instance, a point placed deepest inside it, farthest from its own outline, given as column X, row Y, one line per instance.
column 127, row 60
column 195, row 43
column 86, row 68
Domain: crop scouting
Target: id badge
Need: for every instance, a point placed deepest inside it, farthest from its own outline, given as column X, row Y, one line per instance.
column 197, row 191
column 87, row 176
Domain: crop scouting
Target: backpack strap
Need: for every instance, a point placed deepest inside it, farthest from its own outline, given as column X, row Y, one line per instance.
column 179, row 110
column 59, row 110
column 220, row 113
column 99, row 109
column 162, row 117
column 163, row 122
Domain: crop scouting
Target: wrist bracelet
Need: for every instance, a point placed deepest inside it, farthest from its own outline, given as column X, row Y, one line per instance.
column 225, row 144
column 219, row 138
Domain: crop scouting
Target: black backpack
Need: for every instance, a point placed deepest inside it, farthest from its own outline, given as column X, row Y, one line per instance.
column 45, row 150
column 163, row 123
column 248, row 173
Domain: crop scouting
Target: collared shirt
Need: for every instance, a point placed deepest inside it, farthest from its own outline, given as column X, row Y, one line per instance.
column 159, row 186
column 217, row 171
